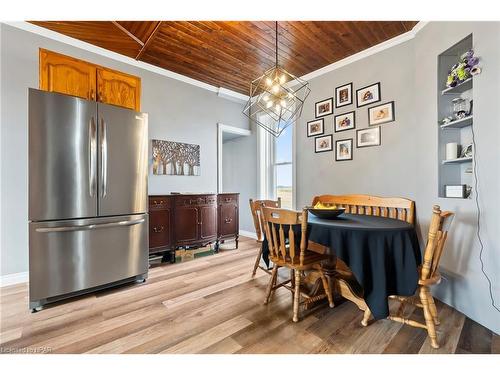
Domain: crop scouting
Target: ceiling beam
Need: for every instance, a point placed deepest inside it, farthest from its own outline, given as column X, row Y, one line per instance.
column 128, row 33
column 149, row 40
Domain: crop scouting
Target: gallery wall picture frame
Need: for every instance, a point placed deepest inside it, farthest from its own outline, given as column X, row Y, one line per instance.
column 343, row 149
column 368, row 137
column 368, row 95
column 315, row 127
column 323, row 108
column 381, row 114
column 344, row 121
column 323, row 143
column 343, row 95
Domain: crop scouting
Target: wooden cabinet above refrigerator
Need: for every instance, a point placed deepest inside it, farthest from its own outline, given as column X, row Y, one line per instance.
column 71, row 76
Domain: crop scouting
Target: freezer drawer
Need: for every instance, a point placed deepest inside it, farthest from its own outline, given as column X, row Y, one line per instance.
column 73, row 255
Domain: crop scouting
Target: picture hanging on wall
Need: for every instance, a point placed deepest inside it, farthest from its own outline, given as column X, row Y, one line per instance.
column 381, row 114
column 368, row 137
column 315, row 127
column 324, row 108
column 343, row 95
column 175, row 158
column 323, row 144
column 343, row 149
column 368, row 95
column 345, row 121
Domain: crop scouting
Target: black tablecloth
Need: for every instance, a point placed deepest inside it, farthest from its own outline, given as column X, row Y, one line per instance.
column 382, row 253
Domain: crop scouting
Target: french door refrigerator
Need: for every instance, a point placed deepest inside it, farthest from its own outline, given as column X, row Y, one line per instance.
column 88, row 222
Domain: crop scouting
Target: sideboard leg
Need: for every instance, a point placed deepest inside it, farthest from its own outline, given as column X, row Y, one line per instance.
column 237, row 240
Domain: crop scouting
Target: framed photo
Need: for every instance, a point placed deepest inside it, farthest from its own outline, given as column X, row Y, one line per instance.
column 380, row 114
column 344, row 121
column 368, row 95
column 315, row 127
column 343, row 149
column 324, row 108
column 368, row 137
column 323, row 144
column 343, row 95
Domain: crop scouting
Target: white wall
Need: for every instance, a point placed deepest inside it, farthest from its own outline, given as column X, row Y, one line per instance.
column 406, row 162
column 177, row 112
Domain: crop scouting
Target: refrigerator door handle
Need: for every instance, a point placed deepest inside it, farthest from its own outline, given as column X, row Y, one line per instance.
column 92, row 155
column 73, row 228
column 104, row 158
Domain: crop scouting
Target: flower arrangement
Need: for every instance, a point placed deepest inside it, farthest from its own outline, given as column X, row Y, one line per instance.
column 464, row 69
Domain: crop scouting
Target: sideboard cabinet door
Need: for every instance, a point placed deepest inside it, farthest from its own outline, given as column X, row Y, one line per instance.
column 186, row 225
column 208, row 222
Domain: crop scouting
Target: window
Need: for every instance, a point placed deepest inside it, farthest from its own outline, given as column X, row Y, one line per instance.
column 283, row 168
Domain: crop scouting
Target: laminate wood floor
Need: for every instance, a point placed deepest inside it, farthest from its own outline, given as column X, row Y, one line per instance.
column 213, row 305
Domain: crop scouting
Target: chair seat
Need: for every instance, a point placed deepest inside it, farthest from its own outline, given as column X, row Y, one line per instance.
column 311, row 259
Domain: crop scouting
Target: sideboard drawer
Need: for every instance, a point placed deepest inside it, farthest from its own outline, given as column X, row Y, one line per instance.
column 227, row 198
column 159, row 202
column 195, row 200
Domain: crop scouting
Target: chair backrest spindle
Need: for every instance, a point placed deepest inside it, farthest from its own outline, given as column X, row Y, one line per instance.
column 258, row 218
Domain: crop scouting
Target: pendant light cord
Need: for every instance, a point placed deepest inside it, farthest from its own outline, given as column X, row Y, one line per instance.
column 276, row 40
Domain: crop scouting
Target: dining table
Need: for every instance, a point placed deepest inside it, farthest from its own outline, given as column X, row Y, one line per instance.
column 382, row 253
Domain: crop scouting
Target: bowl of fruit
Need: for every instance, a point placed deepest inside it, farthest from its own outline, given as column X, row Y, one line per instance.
column 326, row 210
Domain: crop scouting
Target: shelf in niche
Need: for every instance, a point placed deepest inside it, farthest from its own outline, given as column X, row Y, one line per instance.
column 458, row 89
column 462, row 123
column 458, row 160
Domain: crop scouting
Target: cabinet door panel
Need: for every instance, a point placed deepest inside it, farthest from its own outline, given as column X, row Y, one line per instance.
column 67, row 75
column 186, row 224
column 208, row 216
column 118, row 88
column 160, row 229
column 228, row 220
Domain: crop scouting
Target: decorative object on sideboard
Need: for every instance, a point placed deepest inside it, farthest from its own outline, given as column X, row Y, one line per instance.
column 368, row 95
column 274, row 102
column 381, row 113
column 343, row 149
column 323, row 144
column 323, row 108
column 466, row 67
column 368, row 137
column 315, row 127
column 175, row 158
column 345, row 121
column 343, row 95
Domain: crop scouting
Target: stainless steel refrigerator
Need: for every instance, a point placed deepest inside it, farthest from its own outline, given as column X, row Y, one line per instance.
column 88, row 222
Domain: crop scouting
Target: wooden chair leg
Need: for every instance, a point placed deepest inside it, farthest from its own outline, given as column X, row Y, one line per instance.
column 272, row 282
column 328, row 291
column 366, row 317
column 432, row 308
column 429, row 320
column 296, row 296
column 257, row 262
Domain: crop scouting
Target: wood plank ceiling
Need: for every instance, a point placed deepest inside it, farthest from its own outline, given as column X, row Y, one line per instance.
column 231, row 54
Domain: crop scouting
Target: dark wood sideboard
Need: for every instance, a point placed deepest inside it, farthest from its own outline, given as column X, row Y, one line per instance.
column 192, row 220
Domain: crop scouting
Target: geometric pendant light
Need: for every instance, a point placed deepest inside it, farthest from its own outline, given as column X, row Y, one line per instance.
column 276, row 98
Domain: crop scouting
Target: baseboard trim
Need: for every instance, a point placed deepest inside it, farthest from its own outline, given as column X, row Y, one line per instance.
column 14, row 278
column 246, row 233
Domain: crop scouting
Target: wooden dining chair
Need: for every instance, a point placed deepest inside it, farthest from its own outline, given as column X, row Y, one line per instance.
column 284, row 251
column 428, row 275
column 258, row 221
column 361, row 204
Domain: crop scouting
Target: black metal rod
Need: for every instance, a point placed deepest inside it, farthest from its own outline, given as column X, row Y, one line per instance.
column 276, row 43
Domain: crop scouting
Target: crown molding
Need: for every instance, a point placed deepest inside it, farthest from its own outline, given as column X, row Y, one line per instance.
column 26, row 26
column 367, row 52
